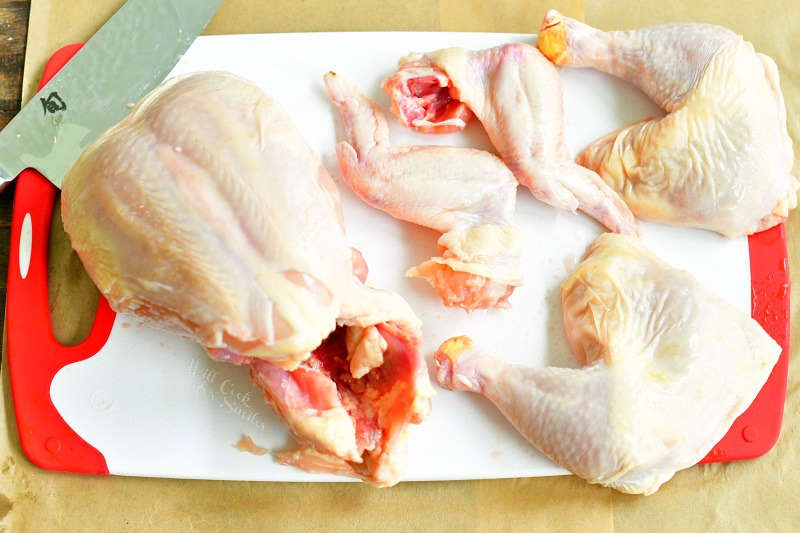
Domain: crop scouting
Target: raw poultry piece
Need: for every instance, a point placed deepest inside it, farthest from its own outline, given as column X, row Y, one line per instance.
column 516, row 94
column 468, row 195
column 667, row 367
column 204, row 212
column 721, row 159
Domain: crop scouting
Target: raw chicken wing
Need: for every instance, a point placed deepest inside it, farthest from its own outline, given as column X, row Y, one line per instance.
column 204, row 212
column 721, row 159
column 668, row 366
column 516, row 94
column 466, row 194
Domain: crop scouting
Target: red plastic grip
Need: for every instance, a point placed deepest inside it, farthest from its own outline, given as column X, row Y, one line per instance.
column 756, row 431
column 34, row 355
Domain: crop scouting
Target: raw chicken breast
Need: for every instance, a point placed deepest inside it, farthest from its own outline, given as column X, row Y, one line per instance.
column 668, row 366
column 205, row 212
column 516, row 94
column 722, row 157
column 466, row 194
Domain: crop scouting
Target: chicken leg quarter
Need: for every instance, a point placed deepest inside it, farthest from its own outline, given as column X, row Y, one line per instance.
column 204, row 212
column 668, row 367
column 516, row 94
column 466, row 194
column 722, row 157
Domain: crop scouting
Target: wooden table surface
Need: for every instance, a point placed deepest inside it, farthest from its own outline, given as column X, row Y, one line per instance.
column 13, row 32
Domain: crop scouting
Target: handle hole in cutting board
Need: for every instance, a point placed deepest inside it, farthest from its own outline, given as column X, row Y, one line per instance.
column 72, row 296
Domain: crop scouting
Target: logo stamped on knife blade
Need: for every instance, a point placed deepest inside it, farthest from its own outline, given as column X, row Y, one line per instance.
column 53, row 103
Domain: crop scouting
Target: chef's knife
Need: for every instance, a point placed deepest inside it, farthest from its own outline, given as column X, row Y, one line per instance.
column 80, row 97
column 133, row 52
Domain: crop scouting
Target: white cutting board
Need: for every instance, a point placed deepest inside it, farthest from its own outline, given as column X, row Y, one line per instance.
column 155, row 405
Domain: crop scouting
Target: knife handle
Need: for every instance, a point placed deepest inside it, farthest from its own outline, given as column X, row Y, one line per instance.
column 34, row 355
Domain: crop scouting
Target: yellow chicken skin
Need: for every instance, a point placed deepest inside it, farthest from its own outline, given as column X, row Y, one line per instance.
column 722, row 158
column 667, row 368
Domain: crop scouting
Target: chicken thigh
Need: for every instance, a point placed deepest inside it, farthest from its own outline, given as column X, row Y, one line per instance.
column 204, row 212
column 721, row 159
column 466, row 194
column 668, row 366
column 516, row 94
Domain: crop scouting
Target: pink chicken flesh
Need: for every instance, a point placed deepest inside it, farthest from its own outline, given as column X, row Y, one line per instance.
column 466, row 194
column 722, row 158
column 516, row 94
column 204, row 212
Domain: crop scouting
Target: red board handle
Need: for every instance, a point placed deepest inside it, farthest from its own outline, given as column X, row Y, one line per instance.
column 34, row 355
column 756, row 430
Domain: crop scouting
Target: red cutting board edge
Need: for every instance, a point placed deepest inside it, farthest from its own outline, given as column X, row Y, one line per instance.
column 34, row 356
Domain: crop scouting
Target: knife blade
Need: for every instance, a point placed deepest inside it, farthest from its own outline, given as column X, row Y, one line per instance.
column 127, row 57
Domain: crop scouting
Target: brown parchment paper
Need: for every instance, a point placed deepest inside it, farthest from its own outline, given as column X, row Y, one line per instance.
column 747, row 495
